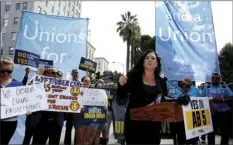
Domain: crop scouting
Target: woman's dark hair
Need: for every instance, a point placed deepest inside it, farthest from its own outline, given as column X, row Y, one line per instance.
column 139, row 65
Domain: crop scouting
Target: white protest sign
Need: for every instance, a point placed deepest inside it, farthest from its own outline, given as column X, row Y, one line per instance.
column 16, row 101
column 62, row 94
column 93, row 97
column 197, row 117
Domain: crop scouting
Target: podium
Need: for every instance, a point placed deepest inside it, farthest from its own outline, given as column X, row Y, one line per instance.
column 164, row 112
column 167, row 111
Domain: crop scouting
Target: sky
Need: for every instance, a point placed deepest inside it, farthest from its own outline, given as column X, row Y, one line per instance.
column 104, row 15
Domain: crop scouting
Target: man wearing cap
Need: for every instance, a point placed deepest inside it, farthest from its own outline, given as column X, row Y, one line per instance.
column 220, row 109
column 69, row 116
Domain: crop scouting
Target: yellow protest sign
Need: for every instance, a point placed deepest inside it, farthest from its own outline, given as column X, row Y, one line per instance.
column 197, row 117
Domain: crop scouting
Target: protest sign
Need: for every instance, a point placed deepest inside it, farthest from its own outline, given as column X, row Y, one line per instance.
column 95, row 114
column 44, row 64
column 166, row 130
column 93, row 97
column 118, row 112
column 24, row 59
column 173, row 87
column 62, row 94
column 107, row 78
column 197, row 117
column 16, row 101
column 87, row 65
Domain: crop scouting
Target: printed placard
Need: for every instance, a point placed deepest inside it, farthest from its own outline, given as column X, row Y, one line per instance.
column 62, row 94
column 24, row 59
column 173, row 87
column 17, row 101
column 44, row 64
column 107, row 78
column 87, row 65
column 68, row 96
column 93, row 97
column 95, row 114
column 197, row 117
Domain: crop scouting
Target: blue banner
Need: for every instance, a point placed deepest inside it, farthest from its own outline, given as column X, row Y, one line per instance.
column 60, row 39
column 185, row 39
column 24, row 59
column 95, row 114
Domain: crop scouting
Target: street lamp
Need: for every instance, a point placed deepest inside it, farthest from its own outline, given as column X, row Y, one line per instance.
column 123, row 65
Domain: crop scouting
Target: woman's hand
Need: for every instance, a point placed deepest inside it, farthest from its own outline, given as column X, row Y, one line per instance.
column 123, row 80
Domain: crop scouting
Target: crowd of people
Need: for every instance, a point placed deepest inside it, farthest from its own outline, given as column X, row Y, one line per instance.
column 143, row 85
column 43, row 126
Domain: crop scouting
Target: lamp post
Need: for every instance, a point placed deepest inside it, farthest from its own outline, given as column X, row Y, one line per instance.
column 122, row 64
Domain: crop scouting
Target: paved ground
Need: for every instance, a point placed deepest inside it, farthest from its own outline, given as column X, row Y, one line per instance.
column 112, row 140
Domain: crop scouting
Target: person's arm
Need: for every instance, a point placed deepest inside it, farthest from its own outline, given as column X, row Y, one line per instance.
column 229, row 92
column 25, row 79
column 122, row 90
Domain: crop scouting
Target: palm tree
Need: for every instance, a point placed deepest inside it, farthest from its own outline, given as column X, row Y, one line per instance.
column 135, row 44
column 126, row 29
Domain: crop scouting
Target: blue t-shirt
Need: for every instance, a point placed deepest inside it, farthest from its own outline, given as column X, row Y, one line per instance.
column 14, row 83
column 193, row 92
column 218, row 92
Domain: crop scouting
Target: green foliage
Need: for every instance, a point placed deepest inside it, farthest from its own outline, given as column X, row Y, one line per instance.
column 147, row 43
column 226, row 62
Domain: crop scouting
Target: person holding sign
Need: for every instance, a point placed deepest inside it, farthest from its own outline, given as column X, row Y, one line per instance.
column 69, row 116
column 101, row 127
column 85, row 132
column 187, row 90
column 144, row 85
column 220, row 109
column 50, row 123
column 8, row 126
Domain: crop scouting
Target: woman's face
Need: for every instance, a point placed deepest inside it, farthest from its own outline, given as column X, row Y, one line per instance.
column 86, row 82
column 150, row 61
column 6, row 71
column 99, row 85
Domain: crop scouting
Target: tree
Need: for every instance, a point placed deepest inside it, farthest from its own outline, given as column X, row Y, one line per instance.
column 147, row 42
column 226, row 62
column 135, row 44
column 127, row 28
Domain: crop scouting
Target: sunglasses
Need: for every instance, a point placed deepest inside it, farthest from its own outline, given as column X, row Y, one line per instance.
column 87, row 81
column 6, row 71
column 215, row 78
column 53, row 73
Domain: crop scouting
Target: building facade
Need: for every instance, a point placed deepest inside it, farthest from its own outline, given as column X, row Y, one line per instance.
column 11, row 12
column 90, row 52
column 102, row 64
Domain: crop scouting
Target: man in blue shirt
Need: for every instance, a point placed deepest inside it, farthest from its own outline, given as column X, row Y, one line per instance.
column 220, row 109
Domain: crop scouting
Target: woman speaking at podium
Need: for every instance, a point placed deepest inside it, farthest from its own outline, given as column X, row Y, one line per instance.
column 144, row 86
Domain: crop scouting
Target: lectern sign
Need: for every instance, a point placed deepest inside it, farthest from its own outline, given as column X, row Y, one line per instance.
column 197, row 117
